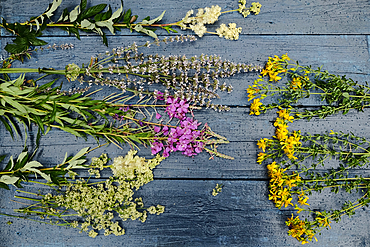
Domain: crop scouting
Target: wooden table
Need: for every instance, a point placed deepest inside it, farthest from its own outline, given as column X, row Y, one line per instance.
column 332, row 33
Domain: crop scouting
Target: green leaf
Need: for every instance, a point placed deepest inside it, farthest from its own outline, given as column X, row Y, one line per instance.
column 72, row 131
column 93, row 10
column 346, row 95
column 108, row 24
column 37, row 42
column 74, row 31
column 7, row 126
column 64, row 16
column 65, row 158
column 22, row 156
column 105, row 40
column 8, row 179
column 169, row 29
column 15, row 104
column 107, row 14
column 4, row 186
column 117, row 13
column 134, row 138
column 141, row 29
column 80, row 154
column 87, row 24
column 154, row 20
column 74, row 13
column 75, row 164
column 30, row 166
column 2, row 157
column 83, row 5
column 19, row 81
column 15, row 49
column 52, row 8
column 127, row 16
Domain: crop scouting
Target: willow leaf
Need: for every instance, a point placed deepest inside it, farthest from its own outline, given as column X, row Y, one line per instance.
column 72, row 131
column 7, row 127
column 79, row 154
column 15, row 104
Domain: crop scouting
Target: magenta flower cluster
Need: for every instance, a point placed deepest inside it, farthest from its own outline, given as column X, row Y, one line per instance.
column 185, row 137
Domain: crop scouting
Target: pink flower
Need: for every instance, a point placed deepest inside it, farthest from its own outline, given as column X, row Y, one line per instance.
column 157, row 129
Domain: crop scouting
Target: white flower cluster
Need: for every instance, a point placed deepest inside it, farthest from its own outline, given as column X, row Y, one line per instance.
column 97, row 202
column 255, row 8
column 231, row 32
column 204, row 16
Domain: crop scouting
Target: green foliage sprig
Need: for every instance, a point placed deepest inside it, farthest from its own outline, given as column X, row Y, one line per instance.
column 19, row 170
column 340, row 94
column 81, row 18
column 94, row 19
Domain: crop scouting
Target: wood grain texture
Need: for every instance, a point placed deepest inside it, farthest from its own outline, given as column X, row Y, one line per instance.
column 332, row 33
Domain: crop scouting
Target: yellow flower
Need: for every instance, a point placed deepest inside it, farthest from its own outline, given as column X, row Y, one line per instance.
column 274, row 76
column 252, row 90
column 303, row 200
column 261, row 157
column 281, row 132
column 285, row 57
column 299, row 210
column 263, row 143
column 287, row 202
column 284, row 114
column 255, row 107
column 296, row 83
column 272, row 167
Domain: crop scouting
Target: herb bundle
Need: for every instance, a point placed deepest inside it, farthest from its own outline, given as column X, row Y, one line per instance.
column 89, row 205
column 116, row 118
column 301, row 165
column 94, row 19
column 341, row 94
column 311, row 154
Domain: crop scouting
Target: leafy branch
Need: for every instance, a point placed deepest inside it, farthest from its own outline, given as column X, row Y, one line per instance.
column 81, row 18
column 19, row 170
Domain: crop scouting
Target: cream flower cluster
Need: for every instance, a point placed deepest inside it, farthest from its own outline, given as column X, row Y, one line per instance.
column 231, row 32
column 255, row 8
column 204, row 16
column 97, row 202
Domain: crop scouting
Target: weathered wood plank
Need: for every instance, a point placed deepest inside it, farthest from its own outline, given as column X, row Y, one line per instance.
column 284, row 17
column 239, row 216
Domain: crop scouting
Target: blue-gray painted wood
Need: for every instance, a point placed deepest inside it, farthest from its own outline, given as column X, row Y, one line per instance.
column 331, row 33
